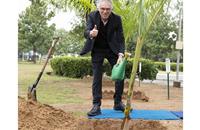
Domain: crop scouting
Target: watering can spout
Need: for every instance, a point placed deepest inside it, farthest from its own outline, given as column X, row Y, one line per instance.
column 127, row 55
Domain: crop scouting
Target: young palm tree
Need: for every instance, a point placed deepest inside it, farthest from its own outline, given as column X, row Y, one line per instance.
column 138, row 16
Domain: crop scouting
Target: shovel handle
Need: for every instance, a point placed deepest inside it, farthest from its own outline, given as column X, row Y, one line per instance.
column 55, row 40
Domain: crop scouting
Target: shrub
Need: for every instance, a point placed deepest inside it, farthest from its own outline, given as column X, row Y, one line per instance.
column 161, row 66
column 149, row 69
column 74, row 67
column 78, row 67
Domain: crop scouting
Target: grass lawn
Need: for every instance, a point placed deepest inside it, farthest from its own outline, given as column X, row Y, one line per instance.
column 51, row 89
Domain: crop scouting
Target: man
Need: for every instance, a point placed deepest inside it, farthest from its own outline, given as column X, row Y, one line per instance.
column 105, row 39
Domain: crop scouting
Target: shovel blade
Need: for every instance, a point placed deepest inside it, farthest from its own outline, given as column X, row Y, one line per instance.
column 32, row 93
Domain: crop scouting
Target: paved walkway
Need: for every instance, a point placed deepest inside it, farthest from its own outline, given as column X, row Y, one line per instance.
column 161, row 78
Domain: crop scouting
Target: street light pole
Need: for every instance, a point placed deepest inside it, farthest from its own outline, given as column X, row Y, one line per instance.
column 178, row 47
column 177, row 65
column 168, row 69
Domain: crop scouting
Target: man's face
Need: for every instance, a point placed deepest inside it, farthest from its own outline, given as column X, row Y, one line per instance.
column 105, row 10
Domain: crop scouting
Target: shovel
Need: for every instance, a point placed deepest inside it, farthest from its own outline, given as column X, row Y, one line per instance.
column 32, row 89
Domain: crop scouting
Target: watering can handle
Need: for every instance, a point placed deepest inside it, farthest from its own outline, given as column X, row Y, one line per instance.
column 126, row 55
column 118, row 61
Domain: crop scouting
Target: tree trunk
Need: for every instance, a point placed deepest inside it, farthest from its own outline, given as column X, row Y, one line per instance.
column 34, row 55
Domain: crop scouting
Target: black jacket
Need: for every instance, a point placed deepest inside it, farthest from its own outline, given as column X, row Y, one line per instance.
column 115, row 34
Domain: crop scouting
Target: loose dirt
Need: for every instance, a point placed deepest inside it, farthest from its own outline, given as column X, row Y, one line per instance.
column 111, row 124
column 38, row 116
column 138, row 95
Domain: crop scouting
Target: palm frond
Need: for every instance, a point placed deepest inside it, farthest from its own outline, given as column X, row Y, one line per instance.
column 137, row 15
column 82, row 6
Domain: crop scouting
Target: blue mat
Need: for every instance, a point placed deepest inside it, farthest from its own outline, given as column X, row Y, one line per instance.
column 179, row 114
column 137, row 114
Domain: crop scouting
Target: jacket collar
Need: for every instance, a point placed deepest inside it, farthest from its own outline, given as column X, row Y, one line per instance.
column 110, row 22
column 98, row 19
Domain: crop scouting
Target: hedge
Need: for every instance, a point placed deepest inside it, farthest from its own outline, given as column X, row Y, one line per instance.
column 161, row 66
column 149, row 70
column 71, row 66
column 78, row 67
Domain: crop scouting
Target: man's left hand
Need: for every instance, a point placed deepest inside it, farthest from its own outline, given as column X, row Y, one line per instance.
column 120, row 57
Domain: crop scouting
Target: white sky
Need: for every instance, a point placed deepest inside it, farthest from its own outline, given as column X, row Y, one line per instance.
column 62, row 20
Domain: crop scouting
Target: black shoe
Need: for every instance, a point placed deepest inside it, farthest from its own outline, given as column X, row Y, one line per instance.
column 119, row 106
column 96, row 110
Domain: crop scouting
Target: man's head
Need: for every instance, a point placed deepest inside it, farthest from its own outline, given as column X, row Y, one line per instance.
column 105, row 8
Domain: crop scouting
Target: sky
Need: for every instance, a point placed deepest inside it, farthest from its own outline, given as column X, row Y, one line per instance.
column 62, row 19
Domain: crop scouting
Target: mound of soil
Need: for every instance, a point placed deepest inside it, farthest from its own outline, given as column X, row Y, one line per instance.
column 110, row 124
column 109, row 83
column 106, row 82
column 137, row 95
column 37, row 116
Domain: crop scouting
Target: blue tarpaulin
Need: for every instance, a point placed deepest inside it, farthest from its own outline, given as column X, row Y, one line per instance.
column 137, row 114
column 178, row 114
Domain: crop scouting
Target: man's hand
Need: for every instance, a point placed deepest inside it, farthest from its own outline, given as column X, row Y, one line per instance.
column 120, row 57
column 94, row 32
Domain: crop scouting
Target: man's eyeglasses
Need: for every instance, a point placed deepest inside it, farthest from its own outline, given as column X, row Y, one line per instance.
column 105, row 9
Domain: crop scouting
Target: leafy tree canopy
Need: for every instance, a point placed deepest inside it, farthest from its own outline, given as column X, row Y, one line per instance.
column 33, row 30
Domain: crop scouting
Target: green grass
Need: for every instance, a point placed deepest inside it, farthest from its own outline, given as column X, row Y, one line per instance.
column 51, row 89
column 79, row 114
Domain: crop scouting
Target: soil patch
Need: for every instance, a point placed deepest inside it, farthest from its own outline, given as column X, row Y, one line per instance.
column 137, row 95
column 37, row 116
column 111, row 124
column 107, row 82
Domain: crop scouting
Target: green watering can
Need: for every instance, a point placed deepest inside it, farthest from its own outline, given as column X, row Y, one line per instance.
column 118, row 70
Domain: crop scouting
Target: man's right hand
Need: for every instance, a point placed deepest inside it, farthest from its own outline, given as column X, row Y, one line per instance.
column 94, row 32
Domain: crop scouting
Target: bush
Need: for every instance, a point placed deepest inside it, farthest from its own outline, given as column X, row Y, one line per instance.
column 78, row 67
column 74, row 67
column 161, row 66
column 148, row 70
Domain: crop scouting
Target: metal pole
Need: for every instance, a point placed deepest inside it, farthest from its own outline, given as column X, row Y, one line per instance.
column 140, row 70
column 179, row 39
column 168, row 69
column 168, row 85
column 177, row 65
column 139, row 79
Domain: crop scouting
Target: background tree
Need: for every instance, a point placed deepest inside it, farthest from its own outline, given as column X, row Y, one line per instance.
column 82, row 6
column 157, row 45
column 71, row 42
column 33, row 30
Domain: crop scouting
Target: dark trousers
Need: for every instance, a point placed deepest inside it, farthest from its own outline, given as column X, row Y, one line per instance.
column 98, row 57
